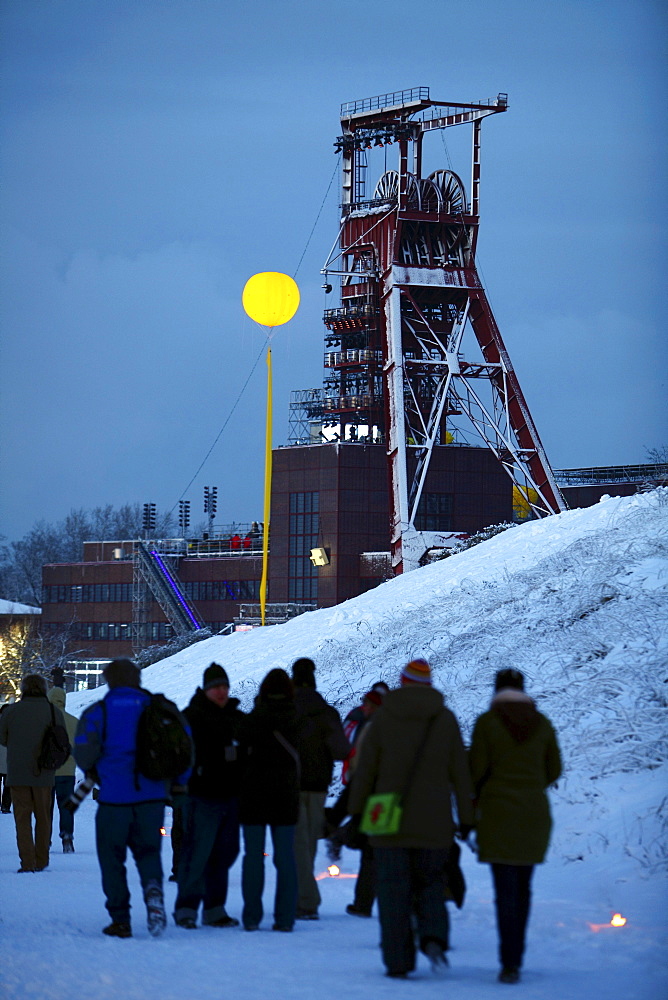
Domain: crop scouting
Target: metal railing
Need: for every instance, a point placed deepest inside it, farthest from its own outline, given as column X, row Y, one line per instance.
column 611, row 474
column 391, row 100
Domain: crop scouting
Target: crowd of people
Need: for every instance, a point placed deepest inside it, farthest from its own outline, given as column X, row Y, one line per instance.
column 272, row 768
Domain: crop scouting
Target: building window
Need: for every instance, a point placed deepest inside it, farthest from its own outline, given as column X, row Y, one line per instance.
column 304, row 531
column 222, row 590
column 434, row 512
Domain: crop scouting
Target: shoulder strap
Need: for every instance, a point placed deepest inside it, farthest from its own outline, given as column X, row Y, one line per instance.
column 418, row 754
column 289, row 747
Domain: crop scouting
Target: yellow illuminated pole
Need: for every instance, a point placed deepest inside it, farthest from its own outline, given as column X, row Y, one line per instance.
column 271, row 299
column 267, row 491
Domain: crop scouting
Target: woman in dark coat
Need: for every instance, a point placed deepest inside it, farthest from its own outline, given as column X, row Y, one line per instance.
column 514, row 757
column 270, row 798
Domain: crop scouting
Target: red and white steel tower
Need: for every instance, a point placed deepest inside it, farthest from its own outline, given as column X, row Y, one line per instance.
column 395, row 372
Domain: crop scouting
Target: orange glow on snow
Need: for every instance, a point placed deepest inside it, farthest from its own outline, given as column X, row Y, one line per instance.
column 617, row 921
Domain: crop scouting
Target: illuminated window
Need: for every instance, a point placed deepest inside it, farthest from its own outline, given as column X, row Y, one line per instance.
column 304, row 532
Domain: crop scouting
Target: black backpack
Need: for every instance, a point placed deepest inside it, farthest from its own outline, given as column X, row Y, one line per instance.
column 55, row 747
column 164, row 747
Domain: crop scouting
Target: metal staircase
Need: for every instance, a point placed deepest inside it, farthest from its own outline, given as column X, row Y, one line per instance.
column 152, row 573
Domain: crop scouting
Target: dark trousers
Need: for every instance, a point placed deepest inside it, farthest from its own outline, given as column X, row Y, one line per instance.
column 512, row 887
column 177, row 838
column 62, row 790
column 116, row 829
column 252, row 875
column 6, row 797
column 365, row 884
column 209, row 849
column 410, row 883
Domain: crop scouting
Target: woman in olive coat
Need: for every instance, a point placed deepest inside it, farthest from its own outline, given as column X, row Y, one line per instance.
column 514, row 757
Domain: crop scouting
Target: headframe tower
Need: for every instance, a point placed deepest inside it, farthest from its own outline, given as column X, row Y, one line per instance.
column 395, row 372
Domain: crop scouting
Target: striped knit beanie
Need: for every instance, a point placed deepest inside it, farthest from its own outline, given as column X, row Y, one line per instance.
column 416, row 672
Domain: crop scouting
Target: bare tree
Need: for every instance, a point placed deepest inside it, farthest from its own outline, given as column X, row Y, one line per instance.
column 21, row 562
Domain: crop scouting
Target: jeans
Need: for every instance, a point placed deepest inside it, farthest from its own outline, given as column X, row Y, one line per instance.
column 209, row 849
column 63, row 788
column 252, row 875
column 410, row 882
column 512, row 886
column 117, row 828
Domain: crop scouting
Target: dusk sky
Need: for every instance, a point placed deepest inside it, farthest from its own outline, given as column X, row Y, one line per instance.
column 155, row 154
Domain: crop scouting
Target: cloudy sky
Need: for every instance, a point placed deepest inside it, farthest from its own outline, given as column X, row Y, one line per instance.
column 156, row 153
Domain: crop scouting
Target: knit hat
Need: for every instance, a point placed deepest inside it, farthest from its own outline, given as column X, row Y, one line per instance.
column 416, row 672
column 373, row 696
column 122, row 673
column 303, row 672
column 215, row 676
column 277, row 686
column 509, row 678
column 381, row 687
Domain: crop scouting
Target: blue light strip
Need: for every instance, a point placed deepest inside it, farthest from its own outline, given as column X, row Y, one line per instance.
column 177, row 592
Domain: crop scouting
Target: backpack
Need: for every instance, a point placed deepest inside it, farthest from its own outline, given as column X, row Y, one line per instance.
column 164, row 747
column 55, row 748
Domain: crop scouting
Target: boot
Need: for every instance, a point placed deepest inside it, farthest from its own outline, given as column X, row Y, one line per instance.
column 156, row 918
column 68, row 844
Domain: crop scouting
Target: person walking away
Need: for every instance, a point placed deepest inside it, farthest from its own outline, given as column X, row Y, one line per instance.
column 131, row 807
column 514, row 757
column 349, row 834
column 22, row 729
column 5, row 794
column 414, row 747
column 64, row 779
column 210, row 812
column 269, row 797
column 321, row 741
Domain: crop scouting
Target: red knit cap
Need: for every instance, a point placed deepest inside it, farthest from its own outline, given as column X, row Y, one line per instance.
column 416, row 672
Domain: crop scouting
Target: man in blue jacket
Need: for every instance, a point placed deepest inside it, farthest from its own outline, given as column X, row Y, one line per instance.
column 131, row 807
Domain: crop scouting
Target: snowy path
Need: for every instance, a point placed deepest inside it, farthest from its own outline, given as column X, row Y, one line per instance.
column 52, row 948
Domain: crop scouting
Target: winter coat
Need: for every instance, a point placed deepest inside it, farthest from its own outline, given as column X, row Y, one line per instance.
column 106, row 742
column 57, row 697
column 215, row 731
column 22, row 728
column 270, row 772
column 321, row 739
column 387, row 754
column 514, row 756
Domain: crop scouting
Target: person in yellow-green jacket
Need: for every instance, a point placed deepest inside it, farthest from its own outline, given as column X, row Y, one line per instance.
column 64, row 781
column 514, row 757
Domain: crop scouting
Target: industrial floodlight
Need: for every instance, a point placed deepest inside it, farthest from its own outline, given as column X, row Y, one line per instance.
column 319, row 557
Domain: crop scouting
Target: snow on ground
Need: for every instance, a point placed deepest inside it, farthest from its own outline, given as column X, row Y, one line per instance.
column 578, row 602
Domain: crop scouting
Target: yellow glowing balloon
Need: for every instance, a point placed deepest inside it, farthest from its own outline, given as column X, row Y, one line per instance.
column 271, row 298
